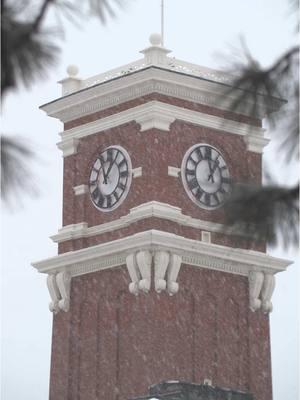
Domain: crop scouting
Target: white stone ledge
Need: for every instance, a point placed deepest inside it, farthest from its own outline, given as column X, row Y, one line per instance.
column 192, row 252
column 146, row 210
column 146, row 81
column 155, row 114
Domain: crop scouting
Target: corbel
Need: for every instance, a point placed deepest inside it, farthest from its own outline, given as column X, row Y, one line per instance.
column 266, row 293
column 256, row 280
column 161, row 262
column 172, row 274
column 133, row 273
column 54, row 293
column 63, row 280
column 144, row 261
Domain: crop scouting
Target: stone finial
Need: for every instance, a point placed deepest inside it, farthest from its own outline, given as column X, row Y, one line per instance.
column 155, row 39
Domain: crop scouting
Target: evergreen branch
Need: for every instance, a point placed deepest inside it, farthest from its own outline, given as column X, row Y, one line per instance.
column 266, row 213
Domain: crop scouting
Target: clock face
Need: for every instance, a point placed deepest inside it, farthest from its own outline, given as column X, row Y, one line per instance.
column 110, row 178
column 205, row 176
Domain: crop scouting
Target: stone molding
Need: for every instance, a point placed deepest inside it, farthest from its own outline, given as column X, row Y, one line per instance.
column 145, row 246
column 146, row 210
column 80, row 189
column 159, row 115
column 174, row 171
column 149, row 80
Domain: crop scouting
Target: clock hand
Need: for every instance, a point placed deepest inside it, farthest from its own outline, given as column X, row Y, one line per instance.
column 111, row 164
column 104, row 175
column 212, row 170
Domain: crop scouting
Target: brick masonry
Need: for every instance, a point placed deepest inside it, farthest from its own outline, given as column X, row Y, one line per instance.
column 112, row 345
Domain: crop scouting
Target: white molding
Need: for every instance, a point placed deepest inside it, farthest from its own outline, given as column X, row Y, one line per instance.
column 169, row 252
column 205, row 237
column 155, row 114
column 193, row 252
column 140, row 212
column 174, row 171
column 80, row 189
column 148, row 80
column 137, row 172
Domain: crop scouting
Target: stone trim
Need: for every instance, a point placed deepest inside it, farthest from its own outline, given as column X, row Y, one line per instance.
column 159, row 115
column 168, row 252
column 80, row 189
column 193, row 252
column 141, row 83
column 146, row 210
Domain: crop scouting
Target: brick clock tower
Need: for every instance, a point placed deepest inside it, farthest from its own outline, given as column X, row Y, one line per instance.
column 148, row 286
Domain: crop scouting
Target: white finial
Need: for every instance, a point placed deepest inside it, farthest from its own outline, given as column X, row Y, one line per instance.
column 72, row 70
column 155, row 39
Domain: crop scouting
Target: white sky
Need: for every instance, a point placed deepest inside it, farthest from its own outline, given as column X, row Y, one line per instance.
column 195, row 30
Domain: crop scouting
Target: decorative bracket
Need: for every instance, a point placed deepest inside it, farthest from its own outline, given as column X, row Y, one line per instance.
column 166, row 269
column 59, row 286
column 261, row 288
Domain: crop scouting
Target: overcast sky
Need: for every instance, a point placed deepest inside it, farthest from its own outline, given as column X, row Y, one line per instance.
column 195, row 30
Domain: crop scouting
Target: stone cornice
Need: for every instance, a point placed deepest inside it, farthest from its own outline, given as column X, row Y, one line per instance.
column 147, row 210
column 156, row 114
column 192, row 252
column 141, row 83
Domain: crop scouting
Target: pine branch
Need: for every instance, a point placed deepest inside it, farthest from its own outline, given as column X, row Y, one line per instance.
column 268, row 214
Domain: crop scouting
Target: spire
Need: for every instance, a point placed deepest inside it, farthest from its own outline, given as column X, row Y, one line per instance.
column 162, row 23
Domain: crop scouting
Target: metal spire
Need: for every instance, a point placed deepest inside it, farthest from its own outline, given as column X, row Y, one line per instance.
column 162, row 22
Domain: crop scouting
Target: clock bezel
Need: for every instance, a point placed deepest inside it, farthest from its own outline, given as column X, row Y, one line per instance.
column 185, row 182
column 128, row 183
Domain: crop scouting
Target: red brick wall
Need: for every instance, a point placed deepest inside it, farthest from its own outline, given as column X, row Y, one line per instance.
column 113, row 345
column 154, row 151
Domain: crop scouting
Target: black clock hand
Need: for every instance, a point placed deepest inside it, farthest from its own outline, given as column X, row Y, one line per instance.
column 104, row 175
column 212, row 170
column 111, row 164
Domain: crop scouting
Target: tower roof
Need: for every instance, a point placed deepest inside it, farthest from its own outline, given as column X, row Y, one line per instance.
column 156, row 72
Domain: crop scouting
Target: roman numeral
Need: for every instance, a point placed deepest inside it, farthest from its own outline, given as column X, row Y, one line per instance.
column 199, row 194
column 100, row 201
column 193, row 183
column 95, row 193
column 109, row 155
column 190, row 172
column 93, row 182
column 121, row 163
column 199, row 153
column 121, row 186
column 192, row 160
column 207, row 199
column 109, row 201
column 124, row 174
column 115, row 194
column 215, row 196
column 208, row 153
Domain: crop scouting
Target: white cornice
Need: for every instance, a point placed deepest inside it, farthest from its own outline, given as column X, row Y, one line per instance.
column 146, row 210
column 142, row 83
column 193, row 252
column 155, row 114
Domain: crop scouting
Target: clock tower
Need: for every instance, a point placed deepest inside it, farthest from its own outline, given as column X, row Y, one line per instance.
column 148, row 284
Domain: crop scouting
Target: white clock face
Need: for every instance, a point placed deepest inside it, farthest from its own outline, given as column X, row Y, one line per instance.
column 205, row 176
column 110, row 178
